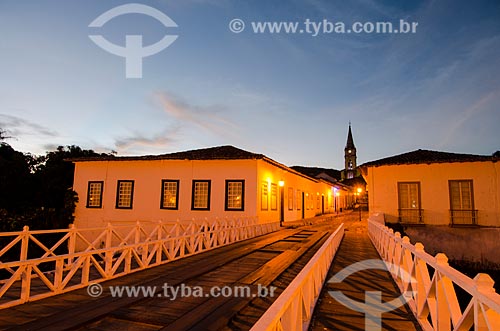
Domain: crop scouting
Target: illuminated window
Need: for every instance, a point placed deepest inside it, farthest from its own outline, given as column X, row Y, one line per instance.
column 94, row 194
column 201, row 195
column 125, row 194
column 264, row 196
column 274, row 196
column 235, row 195
column 170, row 194
column 290, row 198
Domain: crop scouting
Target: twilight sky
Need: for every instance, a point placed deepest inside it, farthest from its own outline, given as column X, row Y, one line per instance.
column 289, row 96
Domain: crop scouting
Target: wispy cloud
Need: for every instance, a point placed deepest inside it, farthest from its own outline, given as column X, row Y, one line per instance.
column 206, row 117
column 164, row 139
column 456, row 126
column 17, row 126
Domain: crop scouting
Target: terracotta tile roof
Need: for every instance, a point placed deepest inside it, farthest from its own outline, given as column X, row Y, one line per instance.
column 315, row 171
column 212, row 153
column 427, row 156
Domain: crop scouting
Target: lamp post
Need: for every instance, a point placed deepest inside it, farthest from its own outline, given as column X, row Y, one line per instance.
column 359, row 205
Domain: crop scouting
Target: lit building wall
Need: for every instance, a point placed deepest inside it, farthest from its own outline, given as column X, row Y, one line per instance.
column 434, row 189
column 147, row 176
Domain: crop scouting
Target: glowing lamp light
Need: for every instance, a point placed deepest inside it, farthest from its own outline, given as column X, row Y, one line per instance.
column 360, row 190
column 281, row 183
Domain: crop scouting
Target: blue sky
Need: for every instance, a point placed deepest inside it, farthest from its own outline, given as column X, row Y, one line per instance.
column 289, row 96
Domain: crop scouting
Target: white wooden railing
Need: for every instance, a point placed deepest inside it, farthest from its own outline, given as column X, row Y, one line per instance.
column 431, row 284
column 292, row 310
column 83, row 256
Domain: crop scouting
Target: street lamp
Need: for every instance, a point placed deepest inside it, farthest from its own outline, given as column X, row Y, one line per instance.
column 359, row 205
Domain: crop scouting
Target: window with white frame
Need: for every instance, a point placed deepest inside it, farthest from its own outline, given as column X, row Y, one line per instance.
column 125, row 194
column 235, row 195
column 94, row 194
column 200, row 195
column 170, row 194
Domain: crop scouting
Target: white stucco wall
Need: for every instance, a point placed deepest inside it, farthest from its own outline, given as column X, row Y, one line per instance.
column 147, row 189
column 382, row 184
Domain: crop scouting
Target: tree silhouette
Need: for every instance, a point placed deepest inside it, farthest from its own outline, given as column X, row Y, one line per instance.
column 37, row 190
column 3, row 134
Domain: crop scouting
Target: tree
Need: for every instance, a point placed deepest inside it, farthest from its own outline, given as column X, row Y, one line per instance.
column 496, row 154
column 16, row 180
column 54, row 177
column 3, row 135
column 37, row 190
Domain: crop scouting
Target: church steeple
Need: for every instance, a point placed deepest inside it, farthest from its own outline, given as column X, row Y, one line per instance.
column 350, row 141
column 350, row 156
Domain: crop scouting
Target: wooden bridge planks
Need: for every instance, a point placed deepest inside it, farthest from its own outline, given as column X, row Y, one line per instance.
column 332, row 315
column 76, row 308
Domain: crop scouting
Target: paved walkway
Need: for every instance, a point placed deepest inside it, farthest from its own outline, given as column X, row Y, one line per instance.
column 332, row 315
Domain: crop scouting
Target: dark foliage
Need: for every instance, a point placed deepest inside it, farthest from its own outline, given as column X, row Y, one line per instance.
column 37, row 190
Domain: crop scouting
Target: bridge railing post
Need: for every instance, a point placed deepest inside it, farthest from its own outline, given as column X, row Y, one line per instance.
column 97, row 254
column 433, row 298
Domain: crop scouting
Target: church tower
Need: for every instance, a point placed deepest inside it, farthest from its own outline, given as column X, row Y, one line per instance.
column 350, row 156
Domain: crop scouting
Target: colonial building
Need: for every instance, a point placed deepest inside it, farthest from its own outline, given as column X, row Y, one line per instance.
column 448, row 201
column 206, row 183
column 429, row 187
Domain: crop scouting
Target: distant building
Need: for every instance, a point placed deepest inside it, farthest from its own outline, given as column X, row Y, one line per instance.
column 429, row 187
column 330, row 175
column 206, row 183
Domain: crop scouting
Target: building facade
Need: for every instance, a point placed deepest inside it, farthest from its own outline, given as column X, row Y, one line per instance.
column 208, row 183
column 435, row 188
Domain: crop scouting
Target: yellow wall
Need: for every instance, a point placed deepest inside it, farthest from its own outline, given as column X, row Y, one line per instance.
column 268, row 173
column 382, row 184
column 148, row 175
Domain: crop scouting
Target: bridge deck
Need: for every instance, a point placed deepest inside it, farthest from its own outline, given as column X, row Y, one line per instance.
column 269, row 260
column 329, row 314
